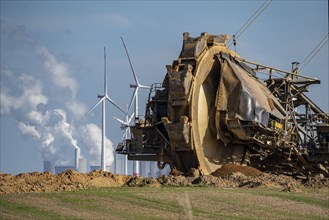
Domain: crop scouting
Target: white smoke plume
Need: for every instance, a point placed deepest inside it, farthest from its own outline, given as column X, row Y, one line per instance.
column 90, row 136
column 47, row 121
column 58, row 70
column 31, row 94
column 27, row 129
column 77, row 109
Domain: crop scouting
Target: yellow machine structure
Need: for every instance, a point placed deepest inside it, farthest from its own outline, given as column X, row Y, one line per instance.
column 214, row 108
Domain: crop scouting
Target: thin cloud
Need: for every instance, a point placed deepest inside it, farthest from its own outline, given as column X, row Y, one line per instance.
column 17, row 34
column 7, row 102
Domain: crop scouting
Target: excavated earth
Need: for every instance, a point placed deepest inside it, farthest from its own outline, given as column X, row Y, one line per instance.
column 228, row 176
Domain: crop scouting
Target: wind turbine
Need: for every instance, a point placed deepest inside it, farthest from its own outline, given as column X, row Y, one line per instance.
column 136, row 86
column 125, row 126
column 102, row 100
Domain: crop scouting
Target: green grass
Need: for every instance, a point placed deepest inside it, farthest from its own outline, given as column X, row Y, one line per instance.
column 164, row 203
column 17, row 209
column 297, row 198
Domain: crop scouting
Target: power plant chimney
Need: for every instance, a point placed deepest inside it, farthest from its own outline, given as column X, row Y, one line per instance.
column 136, row 168
column 77, row 157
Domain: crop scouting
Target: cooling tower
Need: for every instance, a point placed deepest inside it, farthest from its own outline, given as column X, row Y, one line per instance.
column 48, row 166
column 60, row 169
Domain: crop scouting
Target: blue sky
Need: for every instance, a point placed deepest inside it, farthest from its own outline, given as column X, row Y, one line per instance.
column 52, row 62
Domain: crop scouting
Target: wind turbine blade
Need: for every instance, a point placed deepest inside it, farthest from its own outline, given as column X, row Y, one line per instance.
column 113, row 103
column 105, row 75
column 102, row 99
column 132, row 99
column 131, row 117
column 130, row 63
column 144, row 87
column 124, row 136
column 119, row 120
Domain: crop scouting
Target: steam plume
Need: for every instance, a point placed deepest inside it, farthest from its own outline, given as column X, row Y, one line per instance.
column 41, row 116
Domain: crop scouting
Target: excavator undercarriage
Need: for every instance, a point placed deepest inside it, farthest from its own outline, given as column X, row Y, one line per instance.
column 213, row 108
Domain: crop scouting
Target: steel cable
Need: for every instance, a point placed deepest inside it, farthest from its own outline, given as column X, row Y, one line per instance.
column 251, row 20
column 314, row 52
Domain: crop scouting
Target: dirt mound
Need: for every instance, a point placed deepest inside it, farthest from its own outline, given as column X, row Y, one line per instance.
column 226, row 177
column 213, row 181
column 171, row 180
column 48, row 182
column 265, row 180
column 317, row 182
column 229, row 169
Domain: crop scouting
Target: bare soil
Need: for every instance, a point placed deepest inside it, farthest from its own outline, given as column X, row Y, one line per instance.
column 228, row 176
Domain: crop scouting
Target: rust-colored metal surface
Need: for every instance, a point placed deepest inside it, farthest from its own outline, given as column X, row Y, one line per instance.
column 213, row 109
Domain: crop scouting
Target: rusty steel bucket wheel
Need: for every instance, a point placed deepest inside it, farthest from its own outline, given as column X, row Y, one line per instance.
column 211, row 152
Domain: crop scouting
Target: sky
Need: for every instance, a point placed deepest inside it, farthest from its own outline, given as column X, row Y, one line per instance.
column 52, row 64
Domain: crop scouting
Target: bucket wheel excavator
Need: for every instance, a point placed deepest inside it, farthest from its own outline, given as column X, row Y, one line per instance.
column 214, row 108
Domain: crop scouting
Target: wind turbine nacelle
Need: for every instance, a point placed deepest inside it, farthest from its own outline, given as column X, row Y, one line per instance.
column 100, row 96
column 133, row 86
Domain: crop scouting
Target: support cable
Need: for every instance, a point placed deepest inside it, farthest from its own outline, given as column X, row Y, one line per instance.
column 250, row 21
column 314, row 52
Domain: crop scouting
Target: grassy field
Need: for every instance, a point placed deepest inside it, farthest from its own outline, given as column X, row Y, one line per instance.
column 167, row 203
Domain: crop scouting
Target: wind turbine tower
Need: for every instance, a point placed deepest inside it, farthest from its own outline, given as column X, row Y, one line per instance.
column 136, row 86
column 102, row 100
